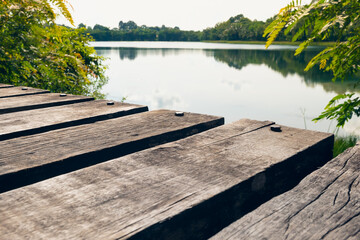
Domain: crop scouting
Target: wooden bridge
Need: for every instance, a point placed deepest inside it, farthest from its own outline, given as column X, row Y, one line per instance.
column 72, row 167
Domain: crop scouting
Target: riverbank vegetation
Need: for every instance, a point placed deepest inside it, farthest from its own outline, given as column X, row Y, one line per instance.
column 237, row 28
column 343, row 143
column 325, row 44
column 35, row 51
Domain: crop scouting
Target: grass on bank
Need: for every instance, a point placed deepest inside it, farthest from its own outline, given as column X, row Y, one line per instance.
column 275, row 43
column 343, row 143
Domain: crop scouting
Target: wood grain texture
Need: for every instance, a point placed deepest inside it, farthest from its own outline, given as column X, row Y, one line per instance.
column 32, row 158
column 18, row 91
column 29, row 102
column 45, row 119
column 5, row 85
column 325, row 205
column 187, row 189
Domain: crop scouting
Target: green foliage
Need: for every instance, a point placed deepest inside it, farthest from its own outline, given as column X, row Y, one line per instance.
column 343, row 143
column 130, row 31
column 325, row 20
column 127, row 26
column 34, row 51
column 236, row 28
column 341, row 107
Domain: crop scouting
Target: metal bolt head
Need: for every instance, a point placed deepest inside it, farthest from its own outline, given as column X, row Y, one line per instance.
column 179, row 114
column 24, row 88
column 275, row 128
column 110, row 103
column 63, row 95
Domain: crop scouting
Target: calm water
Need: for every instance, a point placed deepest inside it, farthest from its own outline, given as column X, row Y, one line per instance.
column 230, row 80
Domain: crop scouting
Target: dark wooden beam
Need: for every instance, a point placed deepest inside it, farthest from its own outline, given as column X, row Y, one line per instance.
column 325, row 205
column 20, row 91
column 29, row 159
column 188, row 189
column 29, row 102
column 5, row 85
column 30, row 122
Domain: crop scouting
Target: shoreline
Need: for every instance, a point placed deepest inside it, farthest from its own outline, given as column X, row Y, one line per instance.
column 325, row 44
column 264, row 42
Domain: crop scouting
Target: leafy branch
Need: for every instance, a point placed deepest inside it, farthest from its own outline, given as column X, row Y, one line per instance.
column 318, row 21
column 34, row 51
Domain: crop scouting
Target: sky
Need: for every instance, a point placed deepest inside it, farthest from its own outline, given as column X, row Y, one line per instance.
column 186, row 14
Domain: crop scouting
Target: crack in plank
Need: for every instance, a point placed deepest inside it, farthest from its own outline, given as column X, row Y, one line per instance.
column 335, row 198
column 348, row 198
column 340, row 225
column 288, row 220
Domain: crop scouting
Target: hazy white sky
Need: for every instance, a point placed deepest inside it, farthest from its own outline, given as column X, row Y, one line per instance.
column 186, row 14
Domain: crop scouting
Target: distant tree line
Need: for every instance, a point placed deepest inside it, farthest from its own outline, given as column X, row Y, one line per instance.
column 130, row 31
column 238, row 28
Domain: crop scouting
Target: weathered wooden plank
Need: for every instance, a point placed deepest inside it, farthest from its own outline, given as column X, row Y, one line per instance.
column 325, row 205
column 188, row 189
column 22, row 103
column 41, row 120
column 5, row 85
column 20, row 91
column 25, row 160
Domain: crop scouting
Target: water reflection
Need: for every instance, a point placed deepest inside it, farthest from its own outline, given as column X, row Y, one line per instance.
column 285, row 63
column 234, row 83
column 133, row 53
column 127, row 54
column 281, row 61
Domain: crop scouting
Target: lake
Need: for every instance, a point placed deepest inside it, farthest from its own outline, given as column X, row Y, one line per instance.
column 230, row 80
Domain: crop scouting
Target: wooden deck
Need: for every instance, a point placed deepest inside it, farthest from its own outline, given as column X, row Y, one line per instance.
column 19, row 124
column 325, row 205
column 74, row 168
column 5, row 85
column 68, row 149
column 19, row 91
column 28, row 102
